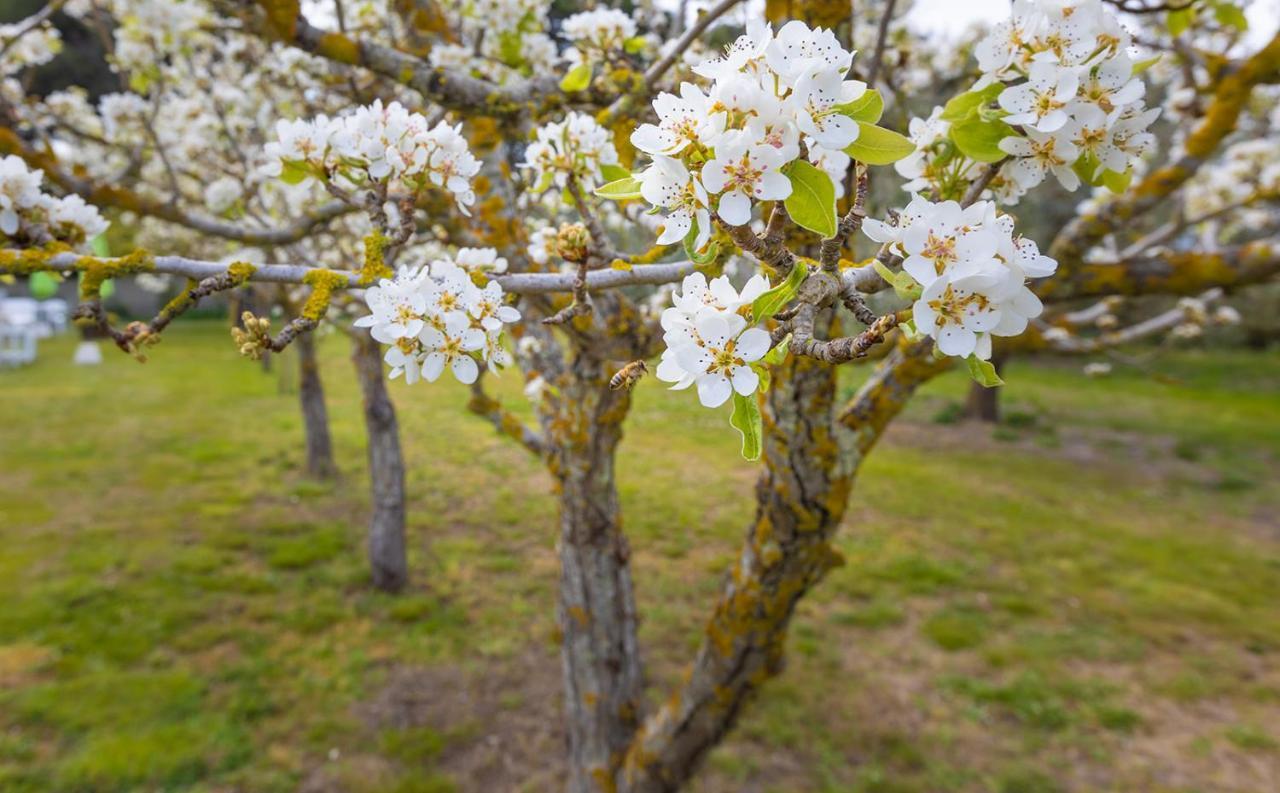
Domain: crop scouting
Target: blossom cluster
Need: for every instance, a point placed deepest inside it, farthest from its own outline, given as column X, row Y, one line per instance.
column 28, row 212
column 1072, row 89
column 1247, row 170
column 971, row 270
column 498, row 39
column 708, row 343
column 602, row 30
column 436, row 316
column 26, row 45
column 725, row 149
column 377, row 144
column 576, row 148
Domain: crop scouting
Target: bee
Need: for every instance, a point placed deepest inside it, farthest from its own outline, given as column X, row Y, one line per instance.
column 628, row 376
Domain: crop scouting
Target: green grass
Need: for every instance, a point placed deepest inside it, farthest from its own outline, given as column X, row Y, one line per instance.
column 1067, row 603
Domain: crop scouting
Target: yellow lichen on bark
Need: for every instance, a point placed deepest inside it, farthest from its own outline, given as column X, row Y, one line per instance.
column 322, row 283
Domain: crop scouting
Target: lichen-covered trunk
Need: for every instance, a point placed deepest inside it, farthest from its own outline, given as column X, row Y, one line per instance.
column 597, row 615
column 800, row 498
column 315, row 416
column 388, row 566
column 811, row 457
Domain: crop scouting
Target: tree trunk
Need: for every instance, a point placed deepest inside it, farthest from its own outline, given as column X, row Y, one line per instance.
column 315, row 416
column 983, row 403
column 599, row 651
column 388, row 566
column 811, row 458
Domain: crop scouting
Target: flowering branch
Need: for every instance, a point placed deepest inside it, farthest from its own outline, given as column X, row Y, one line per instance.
column 123, row 198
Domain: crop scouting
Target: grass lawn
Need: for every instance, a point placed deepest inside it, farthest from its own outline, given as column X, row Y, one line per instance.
column 1083, row 598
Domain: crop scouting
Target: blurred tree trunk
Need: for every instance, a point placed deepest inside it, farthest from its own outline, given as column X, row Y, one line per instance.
column 388, row 565
column 983, row 404
column 315, row 415
column 600, row 654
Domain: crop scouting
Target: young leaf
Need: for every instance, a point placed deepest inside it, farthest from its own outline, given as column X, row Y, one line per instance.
column 983, row 372
column 578, row 78
column 612, row 173
column 868, row 107
column 100, row 246
column 762, row 372
column 980, row 140
column 746, row 420
column 1086, row 167
column 1117, row 182
column 699, row 258
column 772, row 301
column 903, row 284
column 1180, row 19
column 293, row 172
column 634, row 45
column 1142, row 66
column 778, row 354
column 878, row 146
column 812, row 203
column 967, row 105
column 620, row 190
column 547, row 179
column 1231, row 15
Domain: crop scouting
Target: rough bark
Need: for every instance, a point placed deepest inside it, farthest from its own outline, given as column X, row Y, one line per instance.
column 388, row 566
column 315, row 416
column 811, row 455
column 599, row 651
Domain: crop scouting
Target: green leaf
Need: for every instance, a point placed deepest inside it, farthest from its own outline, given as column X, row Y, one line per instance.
column 980, row 140
column 612, row 173
column 1142, row 66
column 746, row 420
column 812, row 203
column 762, row 372
column 868, row 107
column 1086, row 167
column 100, row 246
column 1181, row 19
column 903, row 284
column 772, row 301
column 878, row 146
column 547, row 178
column 712, row 251
column 778, row 354
column 510, row 46
column 294, row 172
column 578, row 78
column 621, row 189
column 983, row 372
column 967, row 105
column 1117, row 182
column 1231, row 15
column 635, row 45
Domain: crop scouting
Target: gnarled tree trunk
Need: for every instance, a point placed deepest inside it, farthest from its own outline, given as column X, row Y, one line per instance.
column 599, row 651
column 811, row 457
column 315, row 416
column 388, row 565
